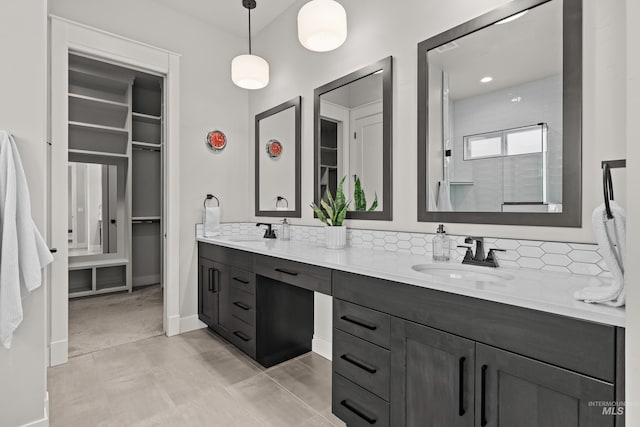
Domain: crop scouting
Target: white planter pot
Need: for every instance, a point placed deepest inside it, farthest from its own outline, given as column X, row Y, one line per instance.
column 335, row 237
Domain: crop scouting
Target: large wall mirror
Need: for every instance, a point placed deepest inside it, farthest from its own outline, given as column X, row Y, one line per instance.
column 499, row 114
column 277, row 161
column 352, row 139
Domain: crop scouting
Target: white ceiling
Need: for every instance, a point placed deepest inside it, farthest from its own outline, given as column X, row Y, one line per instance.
column 230, row 15
column 524, row 50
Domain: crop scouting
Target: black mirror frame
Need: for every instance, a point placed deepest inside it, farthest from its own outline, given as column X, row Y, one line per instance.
column 386, row 65
column 571, row 215
column 296, row 104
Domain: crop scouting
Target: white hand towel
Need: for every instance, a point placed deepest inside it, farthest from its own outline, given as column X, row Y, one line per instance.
column 611, row 237
column 23, row 251
column 444, row 199
column 211, row 221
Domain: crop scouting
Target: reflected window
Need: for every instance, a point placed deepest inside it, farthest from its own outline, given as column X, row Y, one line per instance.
column 508, row 142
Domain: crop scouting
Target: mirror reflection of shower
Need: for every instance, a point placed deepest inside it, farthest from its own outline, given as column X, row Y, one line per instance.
column 92, row 209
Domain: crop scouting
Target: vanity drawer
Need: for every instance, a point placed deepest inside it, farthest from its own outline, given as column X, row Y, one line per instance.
column 243, row 280
column 243, row 306
column 243, row 336
column 227, row 256
column 305, row 276
column 370, row 325
column 363, row 363
column 356, row 406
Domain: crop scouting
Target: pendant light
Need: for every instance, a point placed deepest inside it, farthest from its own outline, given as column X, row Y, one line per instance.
column 322, row 25
column 250, row 71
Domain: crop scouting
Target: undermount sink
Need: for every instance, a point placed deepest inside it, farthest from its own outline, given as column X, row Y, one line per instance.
column 461, row 272
column 247, row 239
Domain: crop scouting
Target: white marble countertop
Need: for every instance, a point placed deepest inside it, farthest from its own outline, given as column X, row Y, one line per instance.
column 549, row 292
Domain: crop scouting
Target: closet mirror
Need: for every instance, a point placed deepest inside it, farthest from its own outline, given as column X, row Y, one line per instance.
column 499, row 113
column 352, row 139
column 93, row 201
column 277, row 160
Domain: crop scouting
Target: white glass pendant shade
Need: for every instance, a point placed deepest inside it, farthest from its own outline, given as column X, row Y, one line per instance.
column 322, row 25
column 250, row 71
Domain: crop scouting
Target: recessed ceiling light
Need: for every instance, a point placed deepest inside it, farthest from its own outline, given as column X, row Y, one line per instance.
column 486, row 79
column 512, row 17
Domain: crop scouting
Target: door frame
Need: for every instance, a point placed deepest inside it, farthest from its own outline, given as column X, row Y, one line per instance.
column 67, row 35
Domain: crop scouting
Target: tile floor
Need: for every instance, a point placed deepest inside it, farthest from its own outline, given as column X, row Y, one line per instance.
column 194, row 379
column 100, row 322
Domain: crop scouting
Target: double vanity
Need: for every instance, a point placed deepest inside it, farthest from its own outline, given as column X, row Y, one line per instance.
column 421, row 343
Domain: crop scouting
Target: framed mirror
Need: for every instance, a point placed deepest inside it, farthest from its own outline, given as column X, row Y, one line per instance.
column 277, row 160
column 353, row 139
column 97, row 208
column 499, row 118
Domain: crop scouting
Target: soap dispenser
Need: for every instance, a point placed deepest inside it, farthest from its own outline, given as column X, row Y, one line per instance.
column 286, row 230
column 441, row 245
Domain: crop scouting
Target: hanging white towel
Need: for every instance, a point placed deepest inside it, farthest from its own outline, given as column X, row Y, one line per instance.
column 211, row 221
column 611, row 237
column 444, row 199
column 23, row 251
column 432, row 202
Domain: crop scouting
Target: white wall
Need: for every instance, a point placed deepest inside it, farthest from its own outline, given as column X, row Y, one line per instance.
column 632, row 274
column 23, row 111
column 208, row 100
column 383, row 28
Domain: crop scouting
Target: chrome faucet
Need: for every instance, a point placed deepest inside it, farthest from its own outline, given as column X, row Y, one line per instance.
column 269, row 233
column 479, row 258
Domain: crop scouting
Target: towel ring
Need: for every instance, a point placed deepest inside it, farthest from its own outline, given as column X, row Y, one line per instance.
column 209, row 197
column 279, row 199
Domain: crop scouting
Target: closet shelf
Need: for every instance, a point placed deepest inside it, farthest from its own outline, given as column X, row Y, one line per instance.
column 81, row 265
column 86, row 293
column 102, row 102
column 98, row 153
column 145, row 218
column 146, row 117
column 96, row 81
column 98, row 128
column 328, row 148
column 146, row 144
column 329, row 166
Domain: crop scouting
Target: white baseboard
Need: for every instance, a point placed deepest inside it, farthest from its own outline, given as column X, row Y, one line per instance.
column 44, row 421
column 58, row 352
column 322, row 347
column 190, row 323
column 173, row 325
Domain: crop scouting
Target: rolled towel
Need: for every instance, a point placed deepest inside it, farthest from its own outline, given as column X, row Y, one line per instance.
column 212, row 221
column 611, row 237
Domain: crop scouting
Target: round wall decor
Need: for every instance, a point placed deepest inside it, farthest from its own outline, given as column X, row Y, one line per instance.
column 274, row 148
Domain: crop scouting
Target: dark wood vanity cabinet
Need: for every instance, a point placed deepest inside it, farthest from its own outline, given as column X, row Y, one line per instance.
column 410, row 356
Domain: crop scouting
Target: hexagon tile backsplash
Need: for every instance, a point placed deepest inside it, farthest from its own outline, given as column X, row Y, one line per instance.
column 576, row 258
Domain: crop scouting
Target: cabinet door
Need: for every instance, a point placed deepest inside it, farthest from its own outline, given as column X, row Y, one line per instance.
column 432, row 375
column 223, row 289
column 513, row 390
column 207, row 294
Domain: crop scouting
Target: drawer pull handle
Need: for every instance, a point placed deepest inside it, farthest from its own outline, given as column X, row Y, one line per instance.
column 360, row 364
column 243, row 306
column 283, row 271
column 246, row 282
column 359, row 322
column 242, row 336
column 461, row 410
column 358, row 412
column 483, row 396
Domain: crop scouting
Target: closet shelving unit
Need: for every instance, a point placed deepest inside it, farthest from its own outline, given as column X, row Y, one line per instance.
column 115, row 117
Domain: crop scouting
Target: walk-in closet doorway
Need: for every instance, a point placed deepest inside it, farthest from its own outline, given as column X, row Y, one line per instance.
column 113, row 186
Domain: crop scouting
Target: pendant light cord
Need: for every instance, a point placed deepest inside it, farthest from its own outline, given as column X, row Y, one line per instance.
column 249, row 31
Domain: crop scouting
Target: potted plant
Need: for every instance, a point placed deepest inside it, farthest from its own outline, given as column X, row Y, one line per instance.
column 332, row 212
column 361, row 200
